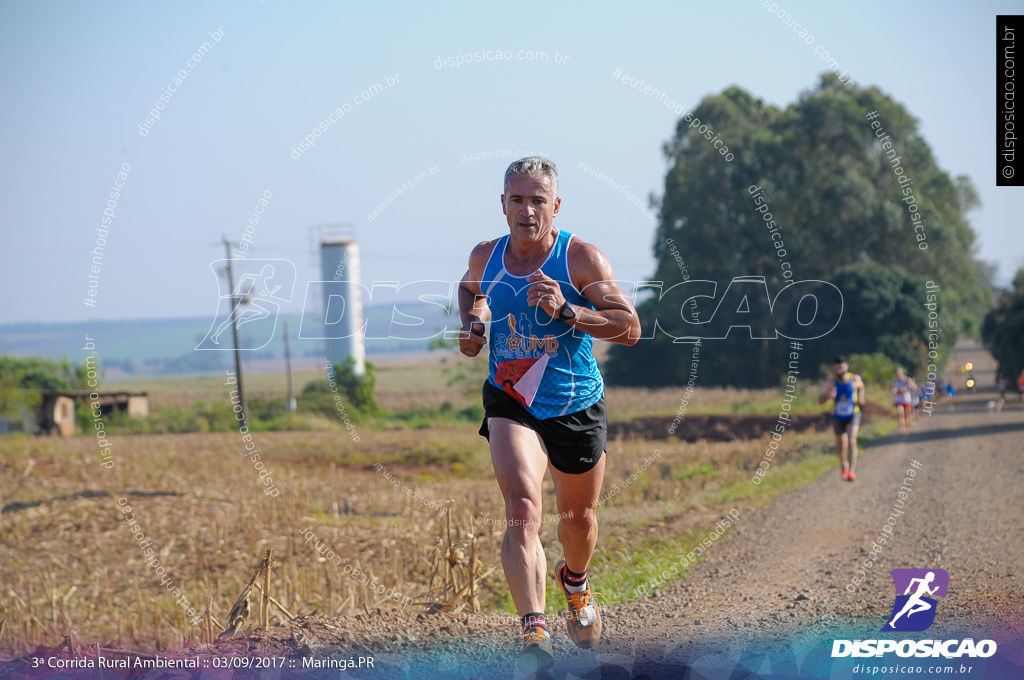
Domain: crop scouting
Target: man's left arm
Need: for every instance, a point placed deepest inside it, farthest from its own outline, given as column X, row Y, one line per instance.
column 613, row 317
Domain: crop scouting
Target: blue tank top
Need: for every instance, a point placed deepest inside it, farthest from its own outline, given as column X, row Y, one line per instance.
column 846, row 404
column 537, row 360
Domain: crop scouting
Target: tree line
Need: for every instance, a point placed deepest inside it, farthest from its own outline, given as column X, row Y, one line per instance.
column 814, row 192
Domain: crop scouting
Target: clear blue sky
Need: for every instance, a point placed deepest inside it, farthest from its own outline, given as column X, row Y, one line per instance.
column 78, row 78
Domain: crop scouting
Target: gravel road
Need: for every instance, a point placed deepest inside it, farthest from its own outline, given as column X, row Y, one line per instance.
column 784, row 577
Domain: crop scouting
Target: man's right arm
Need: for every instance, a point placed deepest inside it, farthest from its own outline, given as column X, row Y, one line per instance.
column 473, row 308
column 826, row 392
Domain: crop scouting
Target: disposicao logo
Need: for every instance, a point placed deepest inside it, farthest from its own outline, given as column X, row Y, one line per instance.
column 263, row 287
column 914, row 610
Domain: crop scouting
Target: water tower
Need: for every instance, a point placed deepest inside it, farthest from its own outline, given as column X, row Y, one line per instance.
column 342, row 294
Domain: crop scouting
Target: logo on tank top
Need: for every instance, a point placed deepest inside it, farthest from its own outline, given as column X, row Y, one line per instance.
column 523, row 340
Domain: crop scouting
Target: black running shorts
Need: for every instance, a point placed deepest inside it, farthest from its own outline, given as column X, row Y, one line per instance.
column 841, row 426
column 575, row 442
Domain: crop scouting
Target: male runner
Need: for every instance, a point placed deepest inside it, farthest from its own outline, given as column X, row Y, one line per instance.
column 547, row 294
column 847, row 389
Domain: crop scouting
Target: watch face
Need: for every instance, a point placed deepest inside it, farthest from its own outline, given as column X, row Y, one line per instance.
column 567, row 312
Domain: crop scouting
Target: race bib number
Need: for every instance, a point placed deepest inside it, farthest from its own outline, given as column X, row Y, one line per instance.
column 844, row 408
column 521, row 378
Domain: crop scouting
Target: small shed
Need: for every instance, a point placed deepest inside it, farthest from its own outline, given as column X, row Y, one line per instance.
column 57, row 410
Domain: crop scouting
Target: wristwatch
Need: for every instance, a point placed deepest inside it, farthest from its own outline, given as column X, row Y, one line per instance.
column 567, row 312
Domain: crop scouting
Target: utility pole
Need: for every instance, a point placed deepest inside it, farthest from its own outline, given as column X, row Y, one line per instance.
column 292, row 406
column 234, row 328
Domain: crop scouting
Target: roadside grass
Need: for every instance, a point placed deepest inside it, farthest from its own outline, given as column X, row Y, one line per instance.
column 626, row 403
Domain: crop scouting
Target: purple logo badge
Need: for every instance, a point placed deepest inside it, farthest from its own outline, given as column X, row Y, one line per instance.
column 914, row 609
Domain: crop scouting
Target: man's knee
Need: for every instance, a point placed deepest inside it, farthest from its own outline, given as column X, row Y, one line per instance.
column 523, row 515
column 582, row 521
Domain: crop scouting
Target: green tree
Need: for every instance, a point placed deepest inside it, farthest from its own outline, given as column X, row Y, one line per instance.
column 1003, row 330
column 21, row 378
column 13, row 398
column 43, row 373
column 883, row 313
column 835, row 202
column 359, row 391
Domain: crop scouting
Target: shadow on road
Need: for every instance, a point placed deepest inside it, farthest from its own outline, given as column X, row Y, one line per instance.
column 933, row 435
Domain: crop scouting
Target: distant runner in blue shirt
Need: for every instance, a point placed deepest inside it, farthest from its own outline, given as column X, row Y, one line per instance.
column 847, row 389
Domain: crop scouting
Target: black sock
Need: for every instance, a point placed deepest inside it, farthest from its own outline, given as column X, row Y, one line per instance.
column 534, row 620
column 571, row 578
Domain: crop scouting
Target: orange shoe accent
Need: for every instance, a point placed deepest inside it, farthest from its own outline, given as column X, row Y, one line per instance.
column 850, row 477
column 584, row 618
column 537, row 654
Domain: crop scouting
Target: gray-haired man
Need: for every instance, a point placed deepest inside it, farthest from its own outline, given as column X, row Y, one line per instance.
column 547, row 294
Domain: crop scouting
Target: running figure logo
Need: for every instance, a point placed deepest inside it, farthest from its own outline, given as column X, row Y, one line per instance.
column 262, row 286
column 914, row 610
